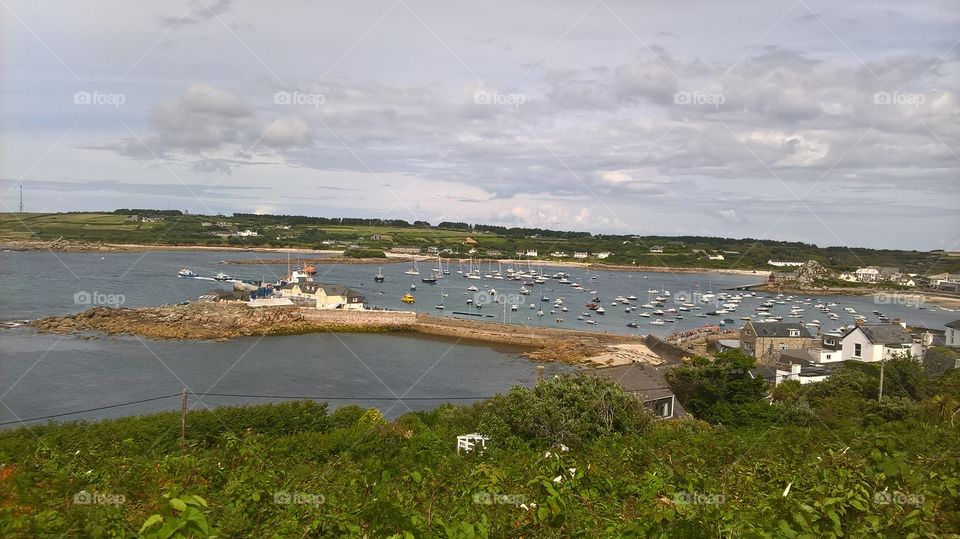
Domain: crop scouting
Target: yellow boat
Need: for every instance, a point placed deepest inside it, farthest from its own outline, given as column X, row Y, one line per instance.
column 408, row 298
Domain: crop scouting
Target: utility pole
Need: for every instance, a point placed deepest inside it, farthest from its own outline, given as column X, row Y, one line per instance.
column 880, row 396
column 21, row 196
column 183, row 417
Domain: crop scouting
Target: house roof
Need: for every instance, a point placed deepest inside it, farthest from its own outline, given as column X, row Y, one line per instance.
column 337, row 290
column 886, row 334
column 954, row 325
column 329, row 289
column 797, row 356
column 778, row 329
column 646, row 381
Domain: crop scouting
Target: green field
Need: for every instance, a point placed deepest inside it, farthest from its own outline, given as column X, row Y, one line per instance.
column 334, row 233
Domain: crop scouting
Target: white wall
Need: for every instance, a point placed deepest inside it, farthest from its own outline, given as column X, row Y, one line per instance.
column 869, row 352
column 953, row 337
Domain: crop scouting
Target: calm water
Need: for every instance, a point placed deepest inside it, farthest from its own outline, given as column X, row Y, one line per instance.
column 43, row 375
column 36, row 284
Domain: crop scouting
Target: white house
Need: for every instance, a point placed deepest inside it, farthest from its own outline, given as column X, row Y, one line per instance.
column 531, row 252
column 247, row 233
column 603, row 254
column 869, row 274
column 878, row 343
column 782, row 264
column 324, row 296
column 715, row 257
column 656, row 249
column 847, row 276
column 797, row 372
column 952, row 336
column 558, row 254
column 580, row 254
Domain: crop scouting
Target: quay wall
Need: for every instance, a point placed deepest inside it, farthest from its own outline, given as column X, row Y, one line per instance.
column 667, row 350
column 395, row 320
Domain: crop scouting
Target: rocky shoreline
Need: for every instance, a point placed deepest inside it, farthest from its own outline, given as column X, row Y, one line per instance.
column 219, row 321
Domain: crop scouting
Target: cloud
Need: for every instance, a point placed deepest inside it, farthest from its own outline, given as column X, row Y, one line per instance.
column 215, row 130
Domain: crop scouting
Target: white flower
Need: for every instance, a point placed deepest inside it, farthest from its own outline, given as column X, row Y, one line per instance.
column 524, row 507
column 558, row 478
column 564, row 448
column 573, row 471
column 546, row 455
column 787, row 490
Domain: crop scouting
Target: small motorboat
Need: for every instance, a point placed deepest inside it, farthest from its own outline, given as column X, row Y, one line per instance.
column 408, row 298
column 221, row 276
column 186, row 274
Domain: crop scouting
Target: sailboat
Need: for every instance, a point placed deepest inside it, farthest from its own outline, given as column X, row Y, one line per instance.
column 440, row 306
column 414, row 270
column 379, row 276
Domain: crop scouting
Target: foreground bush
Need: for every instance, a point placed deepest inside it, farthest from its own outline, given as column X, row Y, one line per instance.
column 294, row 470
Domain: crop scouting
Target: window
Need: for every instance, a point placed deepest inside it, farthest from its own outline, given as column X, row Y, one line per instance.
column 857, row 350
column 794, row 332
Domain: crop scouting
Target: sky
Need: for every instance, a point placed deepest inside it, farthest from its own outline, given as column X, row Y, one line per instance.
column 835, row 123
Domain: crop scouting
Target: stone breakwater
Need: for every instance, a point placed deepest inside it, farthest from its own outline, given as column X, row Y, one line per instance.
column 210, row 321
column 215, row 321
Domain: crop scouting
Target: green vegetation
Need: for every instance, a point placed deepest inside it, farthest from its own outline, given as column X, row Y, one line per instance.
column 170, row 227
column 364, row 253
column 829, row 460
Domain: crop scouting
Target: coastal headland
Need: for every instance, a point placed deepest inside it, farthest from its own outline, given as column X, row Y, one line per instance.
column 214, row 321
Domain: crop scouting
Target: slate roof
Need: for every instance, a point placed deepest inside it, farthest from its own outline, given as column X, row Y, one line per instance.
column 887, row 334
column 778, row 329
column 797, row 356
column 646, row 381
column 308, row 287
column 954, row 325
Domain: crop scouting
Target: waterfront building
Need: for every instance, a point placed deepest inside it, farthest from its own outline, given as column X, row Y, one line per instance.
column 765, row 340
